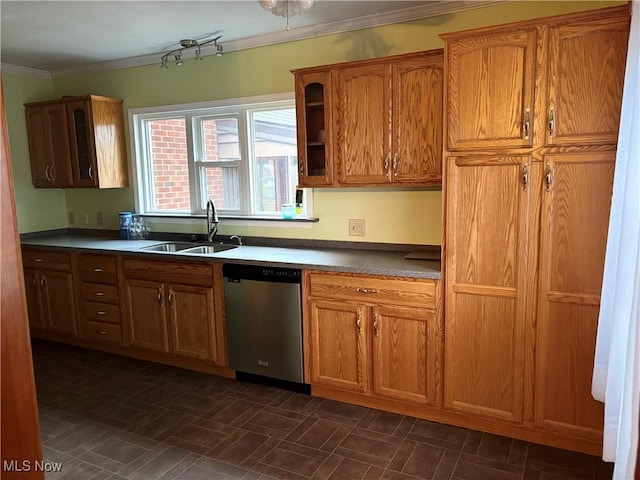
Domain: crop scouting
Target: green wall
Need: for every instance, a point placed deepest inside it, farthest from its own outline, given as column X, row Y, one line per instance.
column 391, row 215
column 37, row 208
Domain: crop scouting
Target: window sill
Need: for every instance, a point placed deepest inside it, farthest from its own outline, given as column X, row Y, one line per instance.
column 231, row 220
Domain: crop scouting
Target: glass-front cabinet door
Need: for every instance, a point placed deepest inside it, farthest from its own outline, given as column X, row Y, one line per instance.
column 83, row 157
column 313, row 112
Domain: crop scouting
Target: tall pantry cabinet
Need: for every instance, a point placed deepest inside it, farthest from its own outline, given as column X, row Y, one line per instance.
column 532, row 114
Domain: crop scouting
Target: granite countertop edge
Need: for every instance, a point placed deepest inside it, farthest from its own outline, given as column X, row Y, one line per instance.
column 359, row 261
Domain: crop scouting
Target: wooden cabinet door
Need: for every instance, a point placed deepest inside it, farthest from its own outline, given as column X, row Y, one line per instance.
column 49, row 145
column 573, row 238
column 83, row 154
column 404, row 354
column 146, row 314
column 32, row 293
column 417, row 121
column 363, row 125
column 39, row 151
column 490, row 90
column 586, row 74
column 314, row 117
column 55, row 121
column 58, row 302
column 338, row 351
column 191, row 318
column 487, row 231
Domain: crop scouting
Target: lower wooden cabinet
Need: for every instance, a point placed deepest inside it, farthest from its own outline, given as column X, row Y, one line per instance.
column 171, row 308
column 363, row 338
column 49, row 292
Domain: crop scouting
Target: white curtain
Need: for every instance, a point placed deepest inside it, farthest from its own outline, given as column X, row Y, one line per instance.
column 616, row 374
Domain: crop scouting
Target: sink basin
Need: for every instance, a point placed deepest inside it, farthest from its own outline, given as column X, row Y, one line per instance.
column 210, row 248
column 169, row 247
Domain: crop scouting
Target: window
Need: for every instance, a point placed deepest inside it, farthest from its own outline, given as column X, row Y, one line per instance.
column 241, row 154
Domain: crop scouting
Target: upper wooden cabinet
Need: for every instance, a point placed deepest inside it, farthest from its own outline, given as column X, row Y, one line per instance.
column 586, row 70
column 382, row 122
column 574, row 63
column 314, row 115
column 490, row 89
column 49, row 150
column 77, row 142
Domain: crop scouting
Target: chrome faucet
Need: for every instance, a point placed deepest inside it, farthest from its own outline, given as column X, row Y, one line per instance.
column 212, row 221
column 236, row 237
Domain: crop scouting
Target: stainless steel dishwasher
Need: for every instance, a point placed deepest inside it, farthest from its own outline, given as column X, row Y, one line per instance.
column 264, row 324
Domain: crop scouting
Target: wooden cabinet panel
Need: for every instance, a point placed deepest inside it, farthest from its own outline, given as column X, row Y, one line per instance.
column 191, row 312
column 371, row 289
column 94, row 292
column 404, row 354
column 58, row 302
column 32, row 293
column 105, row 332
column 363, row 121
column 185, row 273
column 572, row 250
column 487, row 231
column 417, row 120
column 49, row 145
column 338, row 345
column 45, row 259
column 100, row 312
column 314, row 117
column 98, row 268
column 490, row 90
column 146, row 314
column 586, row 72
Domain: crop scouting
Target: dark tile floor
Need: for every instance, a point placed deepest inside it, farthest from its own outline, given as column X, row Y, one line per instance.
column 109, row 417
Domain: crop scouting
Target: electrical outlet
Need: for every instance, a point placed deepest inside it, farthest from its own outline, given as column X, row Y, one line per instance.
column 85, row 218
column 71, row 217
column 356, row 227
column 99, row 219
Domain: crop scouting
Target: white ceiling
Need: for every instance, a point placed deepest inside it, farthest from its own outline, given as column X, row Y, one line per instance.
column 59, row 36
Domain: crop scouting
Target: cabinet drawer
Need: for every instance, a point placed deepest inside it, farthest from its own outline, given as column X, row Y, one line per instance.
column 95, row 292
column 48, row 260
column 184, row 273
column 102, row 331
column 98, row 268
column 374, row 289
column 102, row 312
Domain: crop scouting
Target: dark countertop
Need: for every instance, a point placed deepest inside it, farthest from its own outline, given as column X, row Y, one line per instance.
column 364, row 261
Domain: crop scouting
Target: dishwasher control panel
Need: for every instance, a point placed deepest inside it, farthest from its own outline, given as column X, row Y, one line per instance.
column 236, row 273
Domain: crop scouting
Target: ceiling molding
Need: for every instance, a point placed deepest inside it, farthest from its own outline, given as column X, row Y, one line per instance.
column 18, row 70
column 433, row 9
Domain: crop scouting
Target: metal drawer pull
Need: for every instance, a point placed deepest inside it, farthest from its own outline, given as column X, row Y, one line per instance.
column 97, row 270
column 525, row 176
column 552, row 121
column 38, row 260
column 395, row 164
column 99, row 294
column 366, row 290
column 376, row 318
column 386, row 162
column 101, row 332
column 359, row 322
column 101, row 312
column 46, row 173
column 526, row 124
column 170, row 299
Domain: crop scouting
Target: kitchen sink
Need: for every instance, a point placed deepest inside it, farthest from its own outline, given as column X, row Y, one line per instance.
column 169, row 247
column 220, row 247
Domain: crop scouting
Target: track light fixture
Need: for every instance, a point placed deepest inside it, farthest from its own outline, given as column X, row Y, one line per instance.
column 188, row 44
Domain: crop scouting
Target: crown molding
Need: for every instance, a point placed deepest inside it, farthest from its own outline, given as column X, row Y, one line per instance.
column 18, row 70
column 433, row 9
